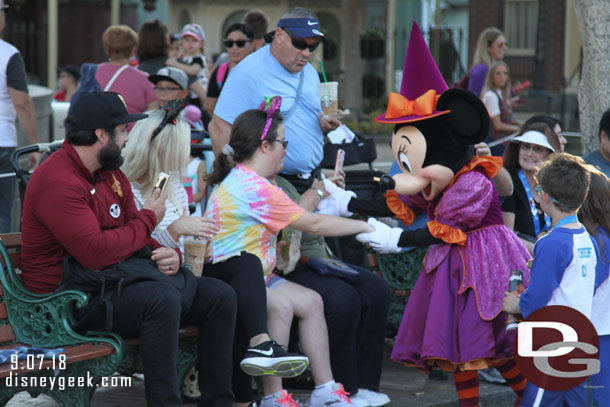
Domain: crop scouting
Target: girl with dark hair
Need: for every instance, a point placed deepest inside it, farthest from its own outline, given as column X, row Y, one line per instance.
column 250, row 211
column 595, row 215
column 238, row 42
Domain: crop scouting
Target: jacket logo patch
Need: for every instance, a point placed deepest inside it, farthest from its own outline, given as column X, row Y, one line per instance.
column 115, row 210
column 116, row 187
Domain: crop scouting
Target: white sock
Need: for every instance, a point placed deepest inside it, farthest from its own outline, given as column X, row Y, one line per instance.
column 327, row 385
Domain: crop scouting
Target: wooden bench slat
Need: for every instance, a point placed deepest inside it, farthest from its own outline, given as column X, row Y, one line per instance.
column 11, row 240
column 3, row 314
column 6, row 334
column 73, row 354
column 182, row 333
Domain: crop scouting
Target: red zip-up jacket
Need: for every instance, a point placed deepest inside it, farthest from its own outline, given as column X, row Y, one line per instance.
column 69, row 210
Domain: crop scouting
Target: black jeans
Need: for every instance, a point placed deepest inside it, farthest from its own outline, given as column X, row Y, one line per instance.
column 150, row 310
column 356, row 314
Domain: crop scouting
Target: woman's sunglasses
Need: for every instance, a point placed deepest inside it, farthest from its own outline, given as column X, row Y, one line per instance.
column 239, row 43
column 300, row 44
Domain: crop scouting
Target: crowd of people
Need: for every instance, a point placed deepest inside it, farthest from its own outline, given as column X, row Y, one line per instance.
column 132, row 119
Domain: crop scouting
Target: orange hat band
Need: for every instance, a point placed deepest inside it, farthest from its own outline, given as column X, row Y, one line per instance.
column 400, row 106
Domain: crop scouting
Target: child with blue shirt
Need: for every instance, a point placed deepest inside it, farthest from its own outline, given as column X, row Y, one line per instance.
column 595, row 215
column 563, row 271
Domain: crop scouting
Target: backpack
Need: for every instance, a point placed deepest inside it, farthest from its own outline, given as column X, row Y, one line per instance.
column 462, row 83
column 222, row 72
column 88, row 84
column 107, row 283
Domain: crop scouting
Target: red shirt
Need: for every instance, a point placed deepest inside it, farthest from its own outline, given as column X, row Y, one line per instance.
column 68, row 210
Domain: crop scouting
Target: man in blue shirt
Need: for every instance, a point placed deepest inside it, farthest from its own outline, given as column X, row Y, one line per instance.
column 281, row 68
column 601, row 156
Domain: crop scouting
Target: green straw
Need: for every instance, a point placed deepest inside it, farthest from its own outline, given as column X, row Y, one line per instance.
column 323, row 73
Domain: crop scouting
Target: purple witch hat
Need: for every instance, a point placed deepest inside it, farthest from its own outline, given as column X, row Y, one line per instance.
column 422, row 84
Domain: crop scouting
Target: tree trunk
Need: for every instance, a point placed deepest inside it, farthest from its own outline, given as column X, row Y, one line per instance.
column 354, row 65
column 594, row 89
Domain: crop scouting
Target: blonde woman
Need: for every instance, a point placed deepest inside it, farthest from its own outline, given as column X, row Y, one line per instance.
column 150, row 152
column 496, row 97
column 491, row 47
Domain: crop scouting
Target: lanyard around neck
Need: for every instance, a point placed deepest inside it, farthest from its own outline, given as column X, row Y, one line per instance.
column 533, row 209
column 565, row 221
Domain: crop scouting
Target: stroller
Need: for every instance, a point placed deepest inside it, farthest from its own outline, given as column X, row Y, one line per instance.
column 200, row 145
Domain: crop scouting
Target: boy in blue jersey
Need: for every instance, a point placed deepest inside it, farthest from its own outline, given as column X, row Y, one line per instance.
column 563, row 271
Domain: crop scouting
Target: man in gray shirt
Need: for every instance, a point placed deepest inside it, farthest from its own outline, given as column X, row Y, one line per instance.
column 14, row 102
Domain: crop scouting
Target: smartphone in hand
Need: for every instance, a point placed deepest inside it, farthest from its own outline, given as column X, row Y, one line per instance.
column 339, row 161
column 162, row 181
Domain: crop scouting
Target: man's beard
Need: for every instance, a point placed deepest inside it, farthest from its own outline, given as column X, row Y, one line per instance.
column 110, row 156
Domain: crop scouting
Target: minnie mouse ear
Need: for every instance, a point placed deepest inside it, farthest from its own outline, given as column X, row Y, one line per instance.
column 468, row 119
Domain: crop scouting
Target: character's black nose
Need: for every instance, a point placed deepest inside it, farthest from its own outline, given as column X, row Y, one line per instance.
column 385, row 182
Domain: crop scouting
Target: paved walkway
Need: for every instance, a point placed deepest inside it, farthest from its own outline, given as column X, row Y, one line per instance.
column 407, row 387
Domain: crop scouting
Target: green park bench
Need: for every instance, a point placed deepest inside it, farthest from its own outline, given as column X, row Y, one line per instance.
column 45, row 321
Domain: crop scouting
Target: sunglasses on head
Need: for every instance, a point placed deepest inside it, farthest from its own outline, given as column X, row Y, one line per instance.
column 300, row 43
column 239, row 43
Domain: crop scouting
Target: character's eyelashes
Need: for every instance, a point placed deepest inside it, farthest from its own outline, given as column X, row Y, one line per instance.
column 403, row 160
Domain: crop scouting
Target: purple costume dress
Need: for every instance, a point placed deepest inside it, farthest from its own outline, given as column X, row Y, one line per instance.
column 453, row 318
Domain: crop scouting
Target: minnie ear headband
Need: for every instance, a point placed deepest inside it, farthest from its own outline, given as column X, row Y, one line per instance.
column 172, row 109
column 271, row 107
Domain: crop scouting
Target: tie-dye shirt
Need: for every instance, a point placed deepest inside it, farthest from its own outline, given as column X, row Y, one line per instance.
column 250, row 212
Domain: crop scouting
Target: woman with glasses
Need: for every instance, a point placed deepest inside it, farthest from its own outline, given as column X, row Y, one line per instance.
column 250, row 212
column 522, row 157
column 238, row 42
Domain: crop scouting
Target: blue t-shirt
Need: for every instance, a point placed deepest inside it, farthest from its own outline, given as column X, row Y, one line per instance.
column 260, row 75
column 596, row 158
column 563, row 272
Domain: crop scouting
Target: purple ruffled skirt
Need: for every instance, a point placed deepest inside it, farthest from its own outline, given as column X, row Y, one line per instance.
column 443, row 328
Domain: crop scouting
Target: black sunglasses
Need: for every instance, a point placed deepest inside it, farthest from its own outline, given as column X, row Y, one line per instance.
column 300, row 44
column 239, row 43
column 4, row 7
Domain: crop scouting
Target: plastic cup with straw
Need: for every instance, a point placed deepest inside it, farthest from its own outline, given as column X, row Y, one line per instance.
column 328, row 93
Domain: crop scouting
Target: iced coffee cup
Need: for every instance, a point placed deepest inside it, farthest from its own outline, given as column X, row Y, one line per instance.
column 328, row 96
column 194, row 254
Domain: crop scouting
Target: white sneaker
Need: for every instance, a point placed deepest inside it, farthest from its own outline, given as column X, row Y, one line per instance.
column 335, row 396
column 280, row 399
column 375, row 399
column 359, row 401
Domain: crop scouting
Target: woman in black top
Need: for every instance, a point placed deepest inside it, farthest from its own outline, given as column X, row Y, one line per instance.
column 521, row 211
column 238, row 42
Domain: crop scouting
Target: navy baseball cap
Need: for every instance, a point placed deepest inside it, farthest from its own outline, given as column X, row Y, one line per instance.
column 100, row 110
column 302, row 27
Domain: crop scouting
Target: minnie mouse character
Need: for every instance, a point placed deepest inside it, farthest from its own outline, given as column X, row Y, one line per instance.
column 453, row 319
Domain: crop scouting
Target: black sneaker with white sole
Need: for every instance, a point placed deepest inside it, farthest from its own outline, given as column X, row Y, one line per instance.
column 269, row 358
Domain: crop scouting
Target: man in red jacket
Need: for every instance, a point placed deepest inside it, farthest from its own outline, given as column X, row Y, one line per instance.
column 79, row 203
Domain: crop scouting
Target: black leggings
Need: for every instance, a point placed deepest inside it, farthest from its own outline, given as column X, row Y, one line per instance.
column 245, row 274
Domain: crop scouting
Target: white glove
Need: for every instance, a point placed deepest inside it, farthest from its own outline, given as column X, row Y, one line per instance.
column 383, row 239
column 336, row 203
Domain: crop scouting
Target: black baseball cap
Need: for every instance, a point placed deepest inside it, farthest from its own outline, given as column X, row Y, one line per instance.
column 100, row 110
column 72, row 70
